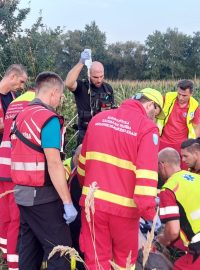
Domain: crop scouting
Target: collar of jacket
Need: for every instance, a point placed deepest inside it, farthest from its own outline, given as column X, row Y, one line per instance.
column 134, row 104
column 38, row 101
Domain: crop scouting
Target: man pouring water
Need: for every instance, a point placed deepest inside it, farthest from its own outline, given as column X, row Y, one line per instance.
column 92, row 95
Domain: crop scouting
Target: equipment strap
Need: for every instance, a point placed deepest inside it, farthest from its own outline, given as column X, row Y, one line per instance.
column 25, row 140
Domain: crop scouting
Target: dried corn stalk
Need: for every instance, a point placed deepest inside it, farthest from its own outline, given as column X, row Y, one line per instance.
column 148, row 243
column 129, row 266
column 65, row 250
column 89, row 201
column 89, row 208
column 7, row 192
column 115, row 266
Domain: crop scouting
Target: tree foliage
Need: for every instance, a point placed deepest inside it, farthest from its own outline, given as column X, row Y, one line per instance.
column 168, row 55
column 127, row 60
column 11, row 19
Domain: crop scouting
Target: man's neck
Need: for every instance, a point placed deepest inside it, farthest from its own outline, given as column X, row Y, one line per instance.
column 172, row 170
column 4, row 88
column 183, row 105
column 197, row 168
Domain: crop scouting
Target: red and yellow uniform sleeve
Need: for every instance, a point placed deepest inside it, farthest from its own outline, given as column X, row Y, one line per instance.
column 146, row 174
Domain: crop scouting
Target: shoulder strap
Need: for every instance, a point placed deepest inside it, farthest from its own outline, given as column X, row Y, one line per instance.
column 21, row 137
column 106, row 89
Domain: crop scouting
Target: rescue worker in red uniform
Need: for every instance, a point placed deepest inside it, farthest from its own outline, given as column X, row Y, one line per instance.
column 119, row 153
column 41, row 191
column 9, row 210
column 180, row 208
column 182, row 119
column 13, row 80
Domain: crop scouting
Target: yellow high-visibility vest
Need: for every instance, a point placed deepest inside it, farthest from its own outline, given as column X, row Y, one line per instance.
column 67, row 166
column 170, row 99
column 186, row 187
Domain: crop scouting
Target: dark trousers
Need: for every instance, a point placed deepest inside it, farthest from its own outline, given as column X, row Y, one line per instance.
column 75, row 227
column 41, row 228
column 80, row 137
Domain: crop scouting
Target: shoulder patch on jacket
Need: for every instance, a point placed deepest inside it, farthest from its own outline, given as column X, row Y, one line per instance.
column 155, row 139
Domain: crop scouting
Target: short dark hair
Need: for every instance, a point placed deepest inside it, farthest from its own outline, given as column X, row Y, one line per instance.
column 48, row 78
column 186, row 84
column 191, row 145
column 187, row 143
column 18, row 69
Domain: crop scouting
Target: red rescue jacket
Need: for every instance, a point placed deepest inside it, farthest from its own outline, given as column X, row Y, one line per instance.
column 120, row 153
column 28, row 163
column 14, row 108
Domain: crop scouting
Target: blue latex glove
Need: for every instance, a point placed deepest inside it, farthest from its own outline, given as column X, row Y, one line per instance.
column 85, row 55
column 70, row 212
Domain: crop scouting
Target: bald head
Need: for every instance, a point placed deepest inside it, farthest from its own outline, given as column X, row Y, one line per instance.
column 170, row 156
column 97, row 74
column 77, row 154
column 78, row 150
column 168, row 163
column 96, row 67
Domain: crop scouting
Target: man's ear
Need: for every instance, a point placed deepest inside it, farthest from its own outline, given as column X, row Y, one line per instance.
column 162, row 164
column 54, row 90
column 12, row 76
column 147, row 105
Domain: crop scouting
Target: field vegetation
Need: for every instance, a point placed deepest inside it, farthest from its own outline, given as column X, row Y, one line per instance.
column 123, row 89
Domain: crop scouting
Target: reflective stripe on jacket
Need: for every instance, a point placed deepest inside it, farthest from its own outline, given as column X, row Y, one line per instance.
column 186, row 188
column 170, row 99
column 28, row 166
column 115, row 154
column 14, row 108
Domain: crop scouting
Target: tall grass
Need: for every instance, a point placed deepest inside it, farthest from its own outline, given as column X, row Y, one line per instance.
column 122, row 91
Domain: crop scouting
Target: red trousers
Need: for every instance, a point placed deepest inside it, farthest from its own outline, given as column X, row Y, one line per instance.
column 186, row 263
column 115, row 237
column 9, row 225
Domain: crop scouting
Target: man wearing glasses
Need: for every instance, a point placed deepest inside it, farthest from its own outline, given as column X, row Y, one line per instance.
column 124, row 165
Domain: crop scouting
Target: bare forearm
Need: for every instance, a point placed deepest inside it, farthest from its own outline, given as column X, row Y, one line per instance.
column 72, row 76
column 165, row 239
column 170, row 234
column 197, row 130
column 1, row 125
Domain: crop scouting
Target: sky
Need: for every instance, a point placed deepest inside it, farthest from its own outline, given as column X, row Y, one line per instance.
column 121, row 20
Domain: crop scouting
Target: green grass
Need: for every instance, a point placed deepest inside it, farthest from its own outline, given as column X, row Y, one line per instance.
column 2, row 263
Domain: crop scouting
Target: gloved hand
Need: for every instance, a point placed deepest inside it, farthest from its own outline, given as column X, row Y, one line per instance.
column 70, row 212
column 85, row 55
